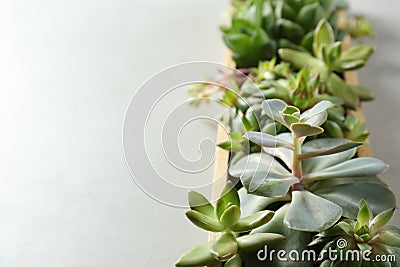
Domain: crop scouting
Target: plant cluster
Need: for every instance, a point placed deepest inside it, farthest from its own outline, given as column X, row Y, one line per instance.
column 294, row 142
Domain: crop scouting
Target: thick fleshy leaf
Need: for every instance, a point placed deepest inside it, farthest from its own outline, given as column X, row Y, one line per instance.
column 230, row 216
column 324, row 162
column 382, row 219
column 323, row 36
column 338, row 87
column 273, row 109
column 346, row 180
column 319, row 108
column 285, row 154
column 267, row 140
column 359, row 167
column 235, row 261
column 300, row 59
column 198, row 256
column 257, row 162
column 311, row 213
column 357, row 52
column 332, row 146
column 199, row 203
column 225, row 247
column 203, row 221
column 256, row 241
column 363, row 93
column 262, row 175
column 346, row 228
column 253, row 221
column 389, row 239
column 364, row 214
column 295, row 240
column 268, row 184
column 342, row 66
column 317, row 120
column 250, row 204
column 303, row 129
column 379, row 197
column 230, row 195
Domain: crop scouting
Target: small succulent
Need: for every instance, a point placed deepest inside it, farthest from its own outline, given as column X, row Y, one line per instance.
column 328, row 60
column 360, row 27
column 320, row 175
column 365, row 234
column 260, row 27
column 225, row 218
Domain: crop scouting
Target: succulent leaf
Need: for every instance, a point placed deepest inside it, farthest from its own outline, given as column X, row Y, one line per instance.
column 347, row 196
column 253, row 221
column 225, row 247
column 230, row 216
column 198, row 256
column 311, row 213
column 267, row 140
column 329, row 150
column 203, row 221
column 304, row 129
column 235, row 261
column 256, row 241
column 200, row 203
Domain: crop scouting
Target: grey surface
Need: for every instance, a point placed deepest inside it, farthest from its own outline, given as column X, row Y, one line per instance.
column 68, row 71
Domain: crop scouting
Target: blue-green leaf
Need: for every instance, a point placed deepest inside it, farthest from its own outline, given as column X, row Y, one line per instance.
column 311, row 213
column 267, row 140
column 359, row 167
column 379, row 197
column 256, row 241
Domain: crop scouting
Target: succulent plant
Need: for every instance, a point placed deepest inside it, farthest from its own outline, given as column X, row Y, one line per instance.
column 260, row 27
column 320, row 175
column 294, row 139
column 367, row 234
column 225, row 218
column 328, row 60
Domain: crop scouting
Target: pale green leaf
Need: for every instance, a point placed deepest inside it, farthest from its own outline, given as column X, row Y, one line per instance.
column 295, row 240
column 250, row 204
column 230, row 216
column 273, row 109
column 257, row 241
column 323, row 36
column 200, row 203
column 267, row 140
column 316, row 110
column 358, row 167
column 235, row 261
column 379, row 197
column 303, row 129
column 203, row 221
column 364, row 214
column 328, row 150
column 324, row 162
column 311, row 213
column 382, row 219
column 253, row 221
column 225, row 247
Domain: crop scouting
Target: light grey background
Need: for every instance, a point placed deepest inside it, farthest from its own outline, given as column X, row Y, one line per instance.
column 68, row 70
